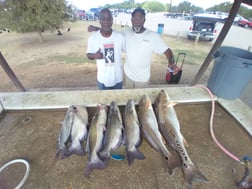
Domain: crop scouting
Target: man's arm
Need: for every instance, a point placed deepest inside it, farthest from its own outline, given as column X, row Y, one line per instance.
column 97, row 55
column 169, row 54
column 171, row 62
column 92, row 28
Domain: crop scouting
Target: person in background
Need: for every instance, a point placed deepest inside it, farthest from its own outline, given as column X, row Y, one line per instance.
column 106, row 47
column 141, row 43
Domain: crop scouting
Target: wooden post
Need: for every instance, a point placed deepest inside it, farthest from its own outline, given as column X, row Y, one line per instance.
column 197, row 39
column 10, row 73
column 177, row 35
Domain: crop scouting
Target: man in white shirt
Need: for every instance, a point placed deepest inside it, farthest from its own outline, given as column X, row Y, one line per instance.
column 106, row 47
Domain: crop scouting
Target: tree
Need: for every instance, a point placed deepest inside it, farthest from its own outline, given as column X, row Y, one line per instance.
column 226, row 7
column 154, row 6
column 35, row 15
column 3, row 9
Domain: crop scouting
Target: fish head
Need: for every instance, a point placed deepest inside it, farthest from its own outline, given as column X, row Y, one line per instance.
column 114, row 110
column 145, row 102
column 163, row 96
column 163, row 99
column 130, row 106
column 113, row 107
column 81, row 112
column 101, row 107
column 72, row 108
column 101, row 114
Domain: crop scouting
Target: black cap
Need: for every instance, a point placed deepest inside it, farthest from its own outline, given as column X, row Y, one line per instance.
column 140, row 10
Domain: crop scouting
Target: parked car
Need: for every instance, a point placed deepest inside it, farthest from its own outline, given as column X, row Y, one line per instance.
column 204, row 26
column 245, row 23
column 236, row 19
column 81, row 14
column 92, row 14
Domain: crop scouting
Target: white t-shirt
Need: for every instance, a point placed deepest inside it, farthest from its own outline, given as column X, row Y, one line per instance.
column 110, row 68
column 139, row 49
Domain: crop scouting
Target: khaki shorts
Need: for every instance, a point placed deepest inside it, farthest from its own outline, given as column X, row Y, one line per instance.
column 129, row 84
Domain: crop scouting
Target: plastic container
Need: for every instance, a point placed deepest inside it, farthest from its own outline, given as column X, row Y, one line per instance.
column 231, row 73
column 160, row 28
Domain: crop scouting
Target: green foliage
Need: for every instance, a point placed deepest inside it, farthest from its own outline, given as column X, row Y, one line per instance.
column 245, row 12
column 3, row 15
column 35, row 15
column 223, row 7
column 127, row 4
column 226, row 7
column 154, row 6
column 186, row 7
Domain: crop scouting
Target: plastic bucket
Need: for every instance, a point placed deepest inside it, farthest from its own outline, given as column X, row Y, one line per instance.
column 231, row 73
column 160, row 28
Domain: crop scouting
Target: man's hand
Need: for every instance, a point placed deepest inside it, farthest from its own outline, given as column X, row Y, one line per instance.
column 97, row 55
column 92, row 28
column 173, row 68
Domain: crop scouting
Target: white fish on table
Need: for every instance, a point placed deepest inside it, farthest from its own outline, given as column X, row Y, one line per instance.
column 170, row 128
column 73, row 132
column 132, row 133
column 95, row 140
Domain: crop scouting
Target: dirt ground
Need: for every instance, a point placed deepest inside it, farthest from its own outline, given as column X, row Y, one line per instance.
column 36, row 141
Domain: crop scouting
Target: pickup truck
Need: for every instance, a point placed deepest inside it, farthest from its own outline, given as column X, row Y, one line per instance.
column 203, row 25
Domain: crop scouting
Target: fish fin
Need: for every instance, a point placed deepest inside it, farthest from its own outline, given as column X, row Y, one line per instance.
column 171, row 104
column 173, row 162
column 163, row 139
column 186, row 144
column 148, row 105
column 99, row 164
column 62, row 153
column 104, row 127
column 104, row 155
column 120, row 142
column 191, row 174
column 57, row 154
column 168, row 137
column 135, row 154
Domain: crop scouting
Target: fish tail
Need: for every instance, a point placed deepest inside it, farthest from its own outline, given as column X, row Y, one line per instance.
column 62, row 153
column 191, row 174
column 99, row 164
column 104, row 155
column 56, row 157
column 57, row 154
column 135, row 154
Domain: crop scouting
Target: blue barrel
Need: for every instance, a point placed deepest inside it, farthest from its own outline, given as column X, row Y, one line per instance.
column 160, row 28
column 231, row 73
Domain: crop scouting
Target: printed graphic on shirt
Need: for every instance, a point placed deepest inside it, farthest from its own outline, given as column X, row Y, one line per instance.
column 109, row 53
